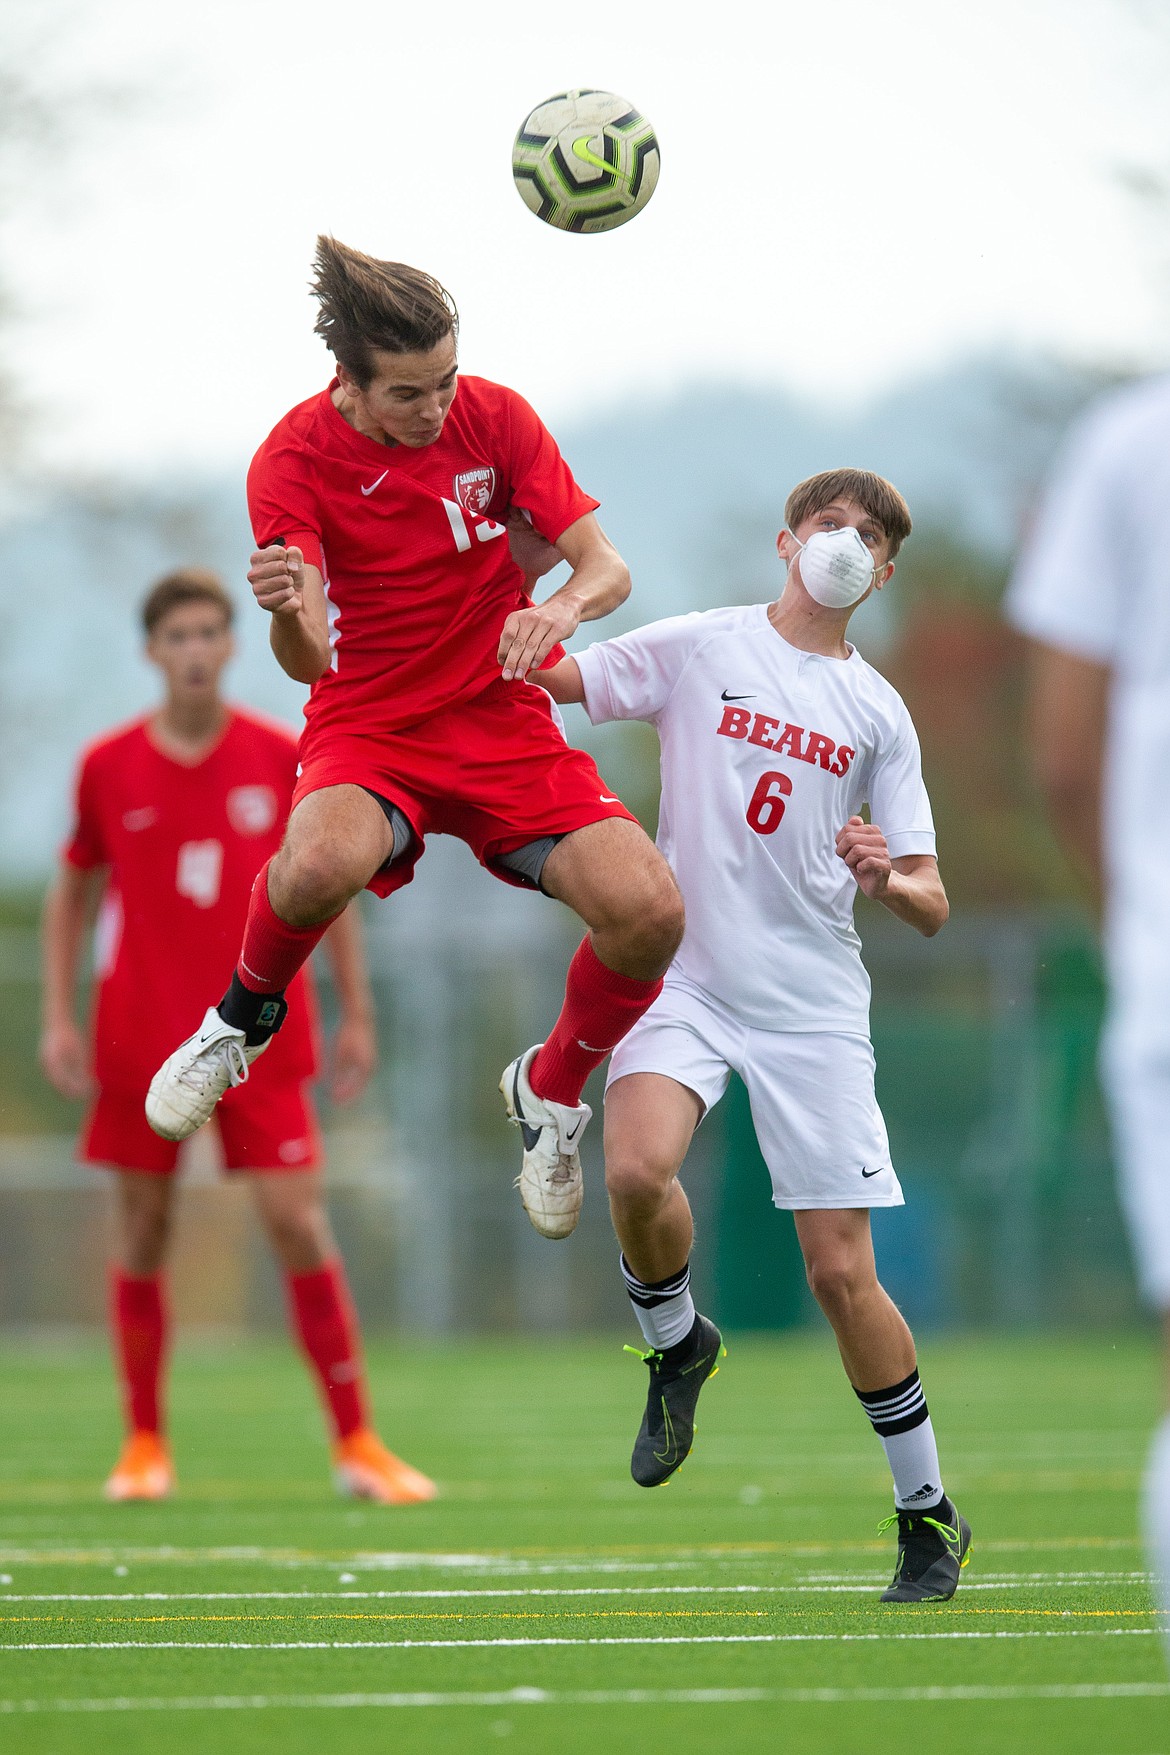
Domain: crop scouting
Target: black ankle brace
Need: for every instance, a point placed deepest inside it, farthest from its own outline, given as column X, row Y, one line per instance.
column 258, row 1015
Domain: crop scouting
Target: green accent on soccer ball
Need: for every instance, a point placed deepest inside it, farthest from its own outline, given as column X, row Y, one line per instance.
column 581, row 149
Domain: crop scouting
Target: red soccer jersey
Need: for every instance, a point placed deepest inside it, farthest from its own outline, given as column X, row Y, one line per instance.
column 183, row 845
column 411, row 544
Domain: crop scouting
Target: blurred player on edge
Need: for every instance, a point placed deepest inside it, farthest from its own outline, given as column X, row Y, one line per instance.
column 175, row 812
column 1092, row 592
column 774, row 733
column 382, row 508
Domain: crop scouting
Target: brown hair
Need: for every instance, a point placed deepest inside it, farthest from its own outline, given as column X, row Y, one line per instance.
column 185, row 585
column 366, row 304
column 873, row 493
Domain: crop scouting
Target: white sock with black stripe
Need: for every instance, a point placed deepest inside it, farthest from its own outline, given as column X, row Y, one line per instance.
column 664, row 1308
column 901, row 1419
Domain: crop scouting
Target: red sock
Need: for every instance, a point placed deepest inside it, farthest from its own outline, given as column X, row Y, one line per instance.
column 273, row 950
column 327, row 1326
column 600, row 1006
column 139, row 1319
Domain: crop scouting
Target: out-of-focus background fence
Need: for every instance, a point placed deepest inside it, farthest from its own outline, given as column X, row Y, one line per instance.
column 934, row 332
column 985, row 1035
column 985, row 1039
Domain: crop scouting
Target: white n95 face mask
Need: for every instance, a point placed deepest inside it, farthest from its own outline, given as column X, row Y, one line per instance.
column 836, row 567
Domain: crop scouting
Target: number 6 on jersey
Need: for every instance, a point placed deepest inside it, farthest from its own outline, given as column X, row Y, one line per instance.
column 767, row 802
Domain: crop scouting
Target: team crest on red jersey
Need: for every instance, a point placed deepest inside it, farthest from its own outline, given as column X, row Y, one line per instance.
column 251, row 809
column 474, row 489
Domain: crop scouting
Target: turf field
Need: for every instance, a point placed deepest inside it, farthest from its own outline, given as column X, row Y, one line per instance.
column 547, row 1604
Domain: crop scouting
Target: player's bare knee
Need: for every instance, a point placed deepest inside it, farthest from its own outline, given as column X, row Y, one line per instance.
column 144, row 1241
column 652, row 927
column 836, row 1282
column 665, row 917
column 313, row 882
column 636, row 1184
column 299, row 1236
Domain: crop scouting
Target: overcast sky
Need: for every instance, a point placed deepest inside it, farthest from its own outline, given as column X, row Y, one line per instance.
column 847, row 194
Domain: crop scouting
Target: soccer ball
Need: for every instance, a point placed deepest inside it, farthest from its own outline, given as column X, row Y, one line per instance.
column 585, row 161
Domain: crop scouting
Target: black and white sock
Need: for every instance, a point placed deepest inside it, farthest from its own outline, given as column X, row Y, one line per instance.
column 901, row 1419
column 664, row 1308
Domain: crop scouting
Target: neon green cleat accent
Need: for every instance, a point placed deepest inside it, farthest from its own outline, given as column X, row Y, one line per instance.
column 667, row 1431
column 932, row 1552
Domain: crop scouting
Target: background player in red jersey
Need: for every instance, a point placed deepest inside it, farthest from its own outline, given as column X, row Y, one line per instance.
column 381, row 509
column 175, row 812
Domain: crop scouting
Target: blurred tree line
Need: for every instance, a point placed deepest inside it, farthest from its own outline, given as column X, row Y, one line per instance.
column 962, row 673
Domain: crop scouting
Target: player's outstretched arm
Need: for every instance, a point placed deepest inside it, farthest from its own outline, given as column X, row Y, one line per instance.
column 294, row 596
column 909, row 887
column 598, row 584
column 63, row 1051
column 354, row 1051
column 563, row 682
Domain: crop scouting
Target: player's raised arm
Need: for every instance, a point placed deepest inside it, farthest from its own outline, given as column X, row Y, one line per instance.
column 294, row 596
column 598, row 584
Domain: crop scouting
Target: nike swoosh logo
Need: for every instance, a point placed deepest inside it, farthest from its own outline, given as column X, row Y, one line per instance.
column 572, row 1136
column 529, row 1134
column 369, row 490
column 606, row 799
column 868, row 1173
column 581, row 149
column 671, row 1451
column 726, row 697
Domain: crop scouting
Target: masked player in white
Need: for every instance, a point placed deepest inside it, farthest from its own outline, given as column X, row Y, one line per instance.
column 775, row 733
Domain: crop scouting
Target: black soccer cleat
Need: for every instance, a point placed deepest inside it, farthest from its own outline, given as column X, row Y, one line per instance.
column 933, row 1548
column 668, row 1426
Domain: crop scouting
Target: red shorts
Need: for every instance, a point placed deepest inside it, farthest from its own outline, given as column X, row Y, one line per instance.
column 273, row 1129
column 495, row 770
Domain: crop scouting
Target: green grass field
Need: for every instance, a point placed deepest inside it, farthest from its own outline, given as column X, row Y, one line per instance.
column 544, row 1603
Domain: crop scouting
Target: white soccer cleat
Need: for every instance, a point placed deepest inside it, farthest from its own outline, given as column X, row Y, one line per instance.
column 550, row 1182
column 188, row 1085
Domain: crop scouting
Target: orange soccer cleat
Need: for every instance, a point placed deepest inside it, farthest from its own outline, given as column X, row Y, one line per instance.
column 364, row 1469
column 144, row 1470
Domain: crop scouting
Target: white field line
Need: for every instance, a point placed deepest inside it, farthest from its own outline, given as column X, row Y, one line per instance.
column 673, row 1559
column 1007, row 1581
column 513, row 1697
column 602, row 1639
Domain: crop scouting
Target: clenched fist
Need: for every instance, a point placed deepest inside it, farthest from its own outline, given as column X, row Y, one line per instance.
column 863, row 848
column 277, row 578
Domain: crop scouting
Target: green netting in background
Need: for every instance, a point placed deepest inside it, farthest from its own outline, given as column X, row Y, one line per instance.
column 986, row 1051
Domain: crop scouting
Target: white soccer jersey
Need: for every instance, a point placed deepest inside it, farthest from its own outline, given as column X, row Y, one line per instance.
column 1095, row 580
column 766, row 752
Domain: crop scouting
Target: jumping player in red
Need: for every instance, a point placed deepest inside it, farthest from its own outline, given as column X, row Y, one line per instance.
column 382, row 509
column 175, row 812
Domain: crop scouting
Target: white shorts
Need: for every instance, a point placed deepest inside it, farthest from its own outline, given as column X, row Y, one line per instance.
column 1135, row 1074
column 812, row 1096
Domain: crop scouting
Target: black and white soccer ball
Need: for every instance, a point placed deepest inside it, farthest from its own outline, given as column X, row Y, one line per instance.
column 585, row 161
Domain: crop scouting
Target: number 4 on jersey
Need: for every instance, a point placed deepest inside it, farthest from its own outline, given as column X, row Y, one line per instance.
column 199, row 872
column 766, row 806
